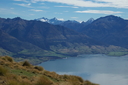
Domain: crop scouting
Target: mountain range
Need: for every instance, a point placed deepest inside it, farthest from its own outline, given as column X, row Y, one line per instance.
column 34, row 38
column 72, row 24
column 110, row 29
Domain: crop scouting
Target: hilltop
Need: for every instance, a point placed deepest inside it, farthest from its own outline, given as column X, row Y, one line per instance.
column 23, row 73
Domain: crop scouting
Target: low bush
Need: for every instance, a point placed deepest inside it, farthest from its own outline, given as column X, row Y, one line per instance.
column 14, row 82
column 3, row 71
column 43, row 80
column 10, row 59
column 26, row 63
column 39, row 68
column 89, row 83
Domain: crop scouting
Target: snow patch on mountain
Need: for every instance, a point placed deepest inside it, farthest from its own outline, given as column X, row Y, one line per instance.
column 57, row 21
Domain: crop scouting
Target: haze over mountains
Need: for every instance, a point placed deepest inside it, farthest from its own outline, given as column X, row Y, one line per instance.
column 111, row 29
column 54, row 37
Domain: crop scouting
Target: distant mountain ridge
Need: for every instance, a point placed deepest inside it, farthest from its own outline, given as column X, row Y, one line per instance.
column 37, row 36
column 37, row 39
column 55, row 21
column 72, row 24
column 42, row 32
column 110, row 29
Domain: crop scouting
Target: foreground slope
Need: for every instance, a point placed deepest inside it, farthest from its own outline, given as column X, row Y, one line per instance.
column 23, row 73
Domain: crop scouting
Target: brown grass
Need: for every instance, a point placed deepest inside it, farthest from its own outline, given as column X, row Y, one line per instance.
column 3, row 71
column 26, row 63
column 43, row 80
column 39, row 68
column 89, row 83
column 24, row 73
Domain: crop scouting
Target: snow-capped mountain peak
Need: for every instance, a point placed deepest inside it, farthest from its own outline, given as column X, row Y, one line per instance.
column 90, row 20
column 43, row 19
column 58, row 21
column 51, row 21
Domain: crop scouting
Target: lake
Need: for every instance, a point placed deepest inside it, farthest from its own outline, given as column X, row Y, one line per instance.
column 97, row 68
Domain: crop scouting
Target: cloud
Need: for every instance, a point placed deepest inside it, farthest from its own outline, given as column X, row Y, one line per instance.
column 68, row 6
column 91, row 3
column 61, row 19
column 24, row 5
column 99, row 12
column 21, row 0
column 62, row 6
column 7, row 11
column 44, row 7
column 116, row 3
column 36, row 10
column 58, row 13
column 75, row 7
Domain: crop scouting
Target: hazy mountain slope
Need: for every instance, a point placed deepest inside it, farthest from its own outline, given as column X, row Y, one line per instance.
column 12, row 44
column 110, row 29
column 42, row 34
column 40, row 41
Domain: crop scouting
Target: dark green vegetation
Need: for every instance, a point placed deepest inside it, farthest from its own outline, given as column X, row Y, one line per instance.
column 23, row 73
column 37, row 41
column 117, row 53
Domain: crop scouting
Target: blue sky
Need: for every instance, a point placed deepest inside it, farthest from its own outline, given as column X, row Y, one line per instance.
column 80, row 10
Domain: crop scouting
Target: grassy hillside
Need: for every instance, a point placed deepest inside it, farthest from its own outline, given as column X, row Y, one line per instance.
column 23, row 73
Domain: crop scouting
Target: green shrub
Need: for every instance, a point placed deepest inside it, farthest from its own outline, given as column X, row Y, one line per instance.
column 26, row 63
column 14, row 82
column 39, row 68
column 80, row 79
column 44, row 81
column 3, row 71
column 10, row 59
column 89, row 83
column 65, row 76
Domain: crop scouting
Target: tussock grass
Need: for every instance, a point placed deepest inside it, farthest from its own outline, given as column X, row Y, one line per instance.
column 23, row 73
column 26, row 63
column 39, row 68
column 8, row 58
column 43, row 80
column 3, row 71
column 89, row 83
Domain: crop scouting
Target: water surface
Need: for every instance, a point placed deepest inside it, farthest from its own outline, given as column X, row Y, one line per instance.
column 98, row 68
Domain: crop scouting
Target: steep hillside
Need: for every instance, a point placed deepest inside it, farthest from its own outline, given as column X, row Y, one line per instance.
column 111, row 29
column 23, row 73
column 42, row 34
column 8, row 42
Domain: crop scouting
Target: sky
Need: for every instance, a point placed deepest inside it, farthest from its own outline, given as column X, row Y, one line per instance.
column 80, row 10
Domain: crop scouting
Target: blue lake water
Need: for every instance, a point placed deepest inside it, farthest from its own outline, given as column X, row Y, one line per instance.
column 97, row 68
